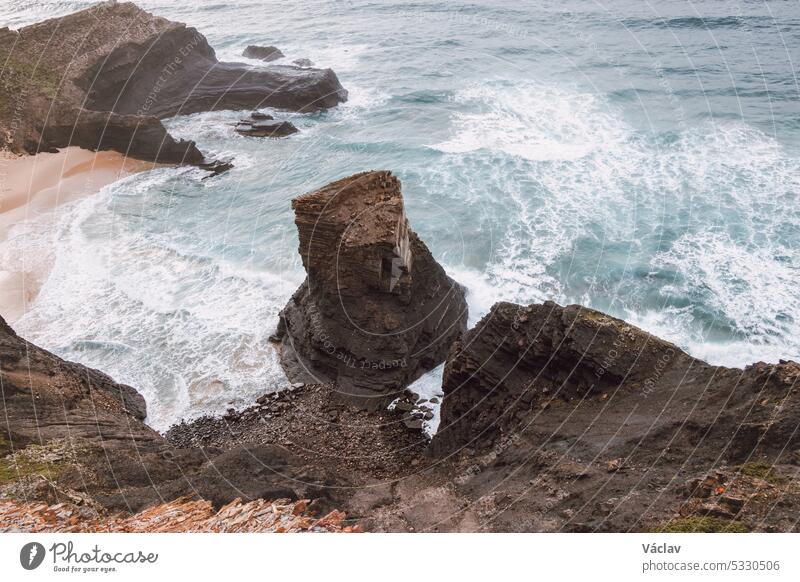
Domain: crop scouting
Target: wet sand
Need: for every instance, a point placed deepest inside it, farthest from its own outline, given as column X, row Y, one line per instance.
column 31, row 186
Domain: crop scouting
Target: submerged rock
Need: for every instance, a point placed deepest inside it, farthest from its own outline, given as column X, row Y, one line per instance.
column 103, row 77
column 376, row 311
column 265, row 128
column 303, row 63
column 263, row 53
column 216, row 167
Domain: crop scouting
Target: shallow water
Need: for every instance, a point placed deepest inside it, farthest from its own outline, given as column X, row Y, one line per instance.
column 639, row 158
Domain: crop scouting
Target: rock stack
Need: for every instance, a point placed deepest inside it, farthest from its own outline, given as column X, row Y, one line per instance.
column 376, row 310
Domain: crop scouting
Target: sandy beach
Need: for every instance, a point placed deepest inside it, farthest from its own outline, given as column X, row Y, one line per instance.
column 31, row 186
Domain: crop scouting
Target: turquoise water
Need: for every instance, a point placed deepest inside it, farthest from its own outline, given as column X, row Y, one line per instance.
column 636, row 157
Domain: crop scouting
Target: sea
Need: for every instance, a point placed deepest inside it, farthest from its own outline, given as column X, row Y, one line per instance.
column 637, row 157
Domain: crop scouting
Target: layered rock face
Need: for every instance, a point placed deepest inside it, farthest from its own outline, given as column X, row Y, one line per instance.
column 573, row 375
column 44, row 397
column 376, row 310
column 102, row 78
column 68, row 432
column 571, row 420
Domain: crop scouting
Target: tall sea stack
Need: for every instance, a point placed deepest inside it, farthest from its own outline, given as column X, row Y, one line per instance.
column 376, row 311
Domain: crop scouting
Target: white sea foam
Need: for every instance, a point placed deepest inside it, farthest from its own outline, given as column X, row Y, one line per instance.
column 531, row 121
column 755, row 289
column 573, row 192
column 429, row 386
column 191, row 333
column 360, row 99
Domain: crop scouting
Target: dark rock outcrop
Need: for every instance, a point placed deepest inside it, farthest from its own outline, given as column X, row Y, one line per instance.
column 559, row 370
column 142, row 137
column 263, row 53
column 376, row 310
column 93, row 443
column 101, row 78
column 256, row 127
column 45, row 397
column 574, row 420
column 216, row 167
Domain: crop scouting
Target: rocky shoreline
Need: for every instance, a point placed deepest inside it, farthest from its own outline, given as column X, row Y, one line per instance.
column 554, row 418
column 104, row 77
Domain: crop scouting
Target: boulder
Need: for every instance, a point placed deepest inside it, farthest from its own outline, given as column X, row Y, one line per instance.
column 376, row 311
column 265, row 128
column 306, row 63
column 263, row 53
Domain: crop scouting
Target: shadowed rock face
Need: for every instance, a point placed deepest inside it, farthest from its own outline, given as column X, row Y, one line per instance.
column 376, row 310
column 45, row 397
column 602, row 387
column 62, row 73
column 109, row 454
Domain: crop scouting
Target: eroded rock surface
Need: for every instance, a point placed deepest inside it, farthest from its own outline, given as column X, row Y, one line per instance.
column 376, row 310
column 68, row 432
column 617, row 389
column 101, row 78
column 578, row 421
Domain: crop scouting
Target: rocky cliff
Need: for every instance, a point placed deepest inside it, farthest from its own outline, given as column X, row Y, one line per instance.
column 618, row 428
column 562, row 369
column 69, row 433
column 101, row 78
column 553, row 419
column 376, row 310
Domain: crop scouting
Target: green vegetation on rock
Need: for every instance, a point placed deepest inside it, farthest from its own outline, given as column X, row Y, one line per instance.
column 763, row 471
column 701, row 524
column 48, row 461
